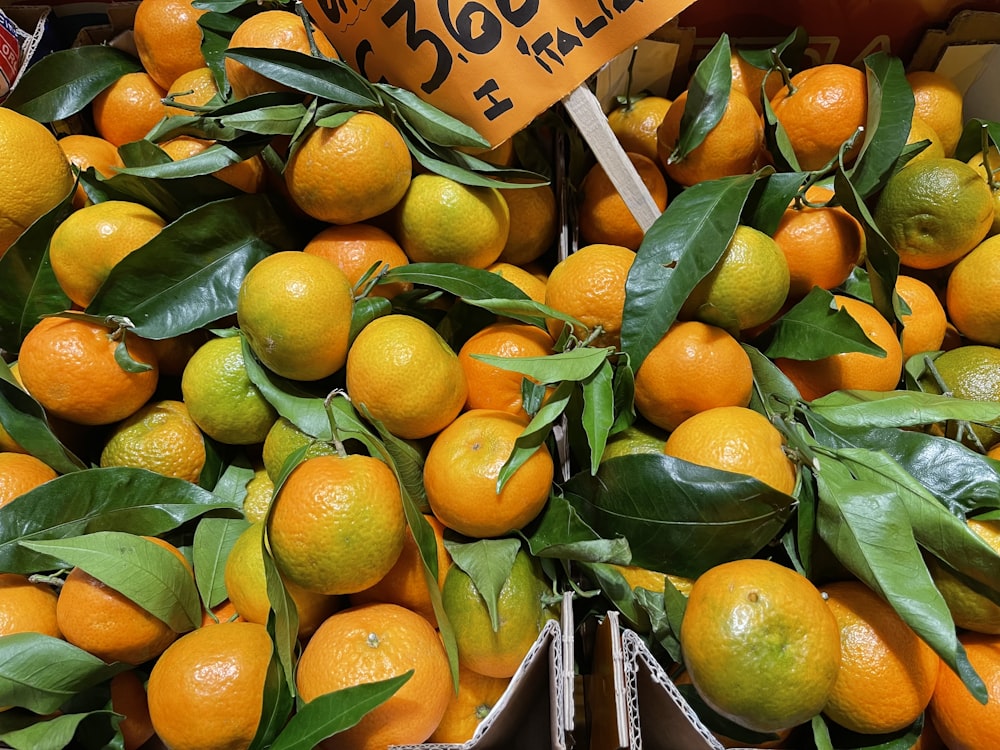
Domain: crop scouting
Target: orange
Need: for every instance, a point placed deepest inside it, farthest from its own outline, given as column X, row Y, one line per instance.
column 406, row 583
column 987, row 165
column 523, row 279
column 887, row 673
column 747, row 286
column 934, row 211
column 168, row 38
column 175, row 352
column 730, row 148
column 753, row 82
column 924, row 326
column 821, row 109
column 921, row 131
column 207, row 690
column 970, row 372
column 295, row 311
column 652, row 580
column 938, row 102
column 160, row 437
column 220, row 397
column 35, row 174
column 589, row 285
column 336, row 525
column 850, row 370
column 101, row 620
column 371, row 161
column 85, row 151
column 534, row 223
column 283, row 439
column 737, row 439
column 8, row 443
column 760, row 644
column 69, row 367
column 603, row 215
column 21, row 473
column 92, row 240
column 224, row 611
column 273, row 29
column 822, row 243
column 398, row 354
column 477, row 695
column 636, row 121
column 26, row 607
column 440, row 220
column 970, row 295
column 260, row 493
column 128, row 698
column 355, row 248
column 196, row 88
column 962, row 721
column 522, row 612
column 373, row 642
column 638, row 437
column 462, row 469
column 129, row 108
column 694, row 367
column 490, row 386
column 969, row 609
column 248, row 175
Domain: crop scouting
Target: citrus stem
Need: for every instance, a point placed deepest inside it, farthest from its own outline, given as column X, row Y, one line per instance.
column 628, row 79
column 300, row 9
column 786, row 72
column 338, row 444
column 55, row 579
column 963, row 428
column 985, row 148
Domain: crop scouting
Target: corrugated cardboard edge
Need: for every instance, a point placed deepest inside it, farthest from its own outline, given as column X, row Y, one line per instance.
column 966, row 27
column 31, row 19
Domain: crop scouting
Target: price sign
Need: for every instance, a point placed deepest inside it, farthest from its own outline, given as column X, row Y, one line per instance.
column 493, row 64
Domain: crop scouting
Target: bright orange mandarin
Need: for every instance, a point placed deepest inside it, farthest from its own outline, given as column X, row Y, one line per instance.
column 168, row 38
column 196, row 88
column 635, row 123
column 851, row 370
column 248, row 175
column 921, row 131
column 604, row 217
column 128, row 698
column 129, row 108
column 477, row 695
column 533, row 223
column 749, row 80
column 820, row 110
column 520, row 277
column 20, row 473
column 490, row 386
column 695, row 366
column 924, row 326
column 962, row 721
column 90, row 151
column 224, row 611
column 69, row 367
column 938, row 102
column 375, row 642
column 160, row 437
column 355, row 248
column 970, row 295
column 26, row 607
column 462, row 468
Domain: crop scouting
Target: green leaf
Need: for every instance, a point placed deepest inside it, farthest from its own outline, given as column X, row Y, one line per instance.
column 560, row 533
column 707, row 99
column 232, row 482
column 189, row 275
column 302, row 409
column 470, row 284
column 135, row 501
column 329, row 714
column 278, row 704
column 41, row 673
column 327, row 79
column 429, row 121
column 572, row 365
column 212, row 159
column 598, row 411
column 971, row 142
column 488, row 562
column 815, row 328
column 213, row 538
column 771, row 197
column 148, row 574
column 534, row 435
column 52, row 734
column 365, row 310
column 281, row 119
column 769, row 383
column 25, row 421
column 405, row 460
column 283, row 621
column 678, row 517
column 681, row 247
column 902, row 409
column 63, row 82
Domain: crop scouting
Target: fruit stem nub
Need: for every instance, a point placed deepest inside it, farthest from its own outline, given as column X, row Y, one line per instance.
column 786, row 72
column 985, row 148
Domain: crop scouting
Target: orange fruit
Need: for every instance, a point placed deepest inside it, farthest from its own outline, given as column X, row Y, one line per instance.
column 336, row 525
column 822, row 243
column 534, row 223
column 462, row 469
column 477, row 695
column 490, row 386
column 850, row 370
column 694, row 367
column 589, row 285
column 652, row 580
column 440, row 220
column 207, row 689
column 760, row 644
column 128, row 109
column 21, row 473
column 523, row 279
column 887, row 673
column 69, row 367
column 273, row 29
column 196, row 88
column 398, row 354
column 173, row 353
column 224, row 611
column 987, row 165
column 638, row 437
column 355, row 248
column 934, row 211
column 85, row 151
column 8, row 443
column 260, row 494
column 635, row 123
column 962, row 721
column 101, row 620
column 373, row 642
column 26, row 607
column 295, row 311
column 737, row 439
column 969, row 609
column 248, row 175
column 921, row 131
column 521, row 613
column 924, row 326
column 751, row 81
column 92, row 240
column 969, row 296
column 747, row 286
column 371, row 161
column 938, row 102
column 730, row 148
column 35, row 174
column 168, row 38
column 160, row 437
column 821, row 109
column 128, row 698
column 283, row 439
column 603, row 215
column 970, row 372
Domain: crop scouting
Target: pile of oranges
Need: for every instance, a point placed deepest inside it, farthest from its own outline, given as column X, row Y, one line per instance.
column 306, row 424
